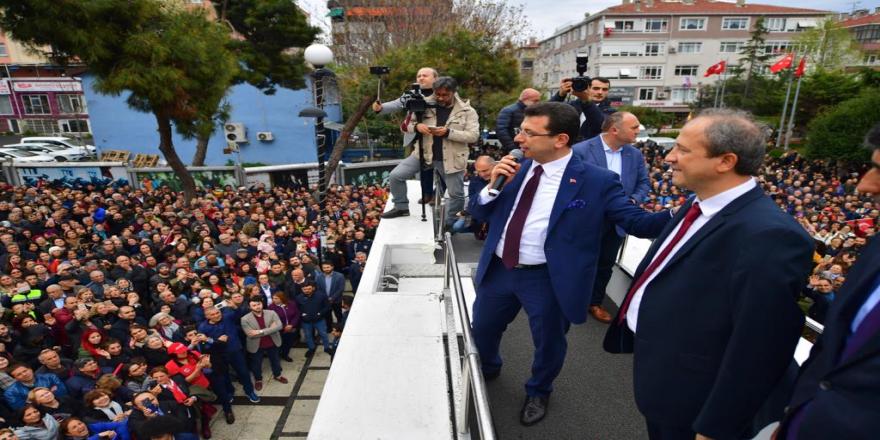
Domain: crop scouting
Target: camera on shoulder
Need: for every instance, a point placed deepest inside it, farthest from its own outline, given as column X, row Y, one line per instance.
column 413, row 100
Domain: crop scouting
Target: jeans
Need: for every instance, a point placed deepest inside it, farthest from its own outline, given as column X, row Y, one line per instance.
column 221, row 385
column 235, row 359
column 408, row 167
column 455, row 187
column 288, row 340
column 309, row 330
column 257, row 362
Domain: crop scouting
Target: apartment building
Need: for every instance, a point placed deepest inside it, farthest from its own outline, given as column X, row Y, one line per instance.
column 865, row 29
column 656, row 51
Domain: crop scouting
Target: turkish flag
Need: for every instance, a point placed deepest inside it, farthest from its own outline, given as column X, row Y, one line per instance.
column 782, row 64
column 802, row 66
column 716, row 69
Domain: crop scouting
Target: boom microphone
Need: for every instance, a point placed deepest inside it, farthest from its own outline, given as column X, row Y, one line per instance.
column 499, row 182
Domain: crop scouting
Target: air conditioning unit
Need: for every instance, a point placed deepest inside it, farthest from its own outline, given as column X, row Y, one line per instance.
column 662, row 95
column 235, row 132
column 672, row 50
column 265, row 136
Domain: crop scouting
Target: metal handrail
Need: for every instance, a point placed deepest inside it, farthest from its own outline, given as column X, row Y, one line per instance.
column 472, row 380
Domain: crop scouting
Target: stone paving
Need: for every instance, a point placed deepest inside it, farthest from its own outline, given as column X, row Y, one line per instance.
column 285, row 410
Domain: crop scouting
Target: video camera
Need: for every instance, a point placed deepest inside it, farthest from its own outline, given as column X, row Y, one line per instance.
column 581, row 82
column 413, row 99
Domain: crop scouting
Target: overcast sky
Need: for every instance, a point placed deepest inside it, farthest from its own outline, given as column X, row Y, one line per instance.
column 547, row 15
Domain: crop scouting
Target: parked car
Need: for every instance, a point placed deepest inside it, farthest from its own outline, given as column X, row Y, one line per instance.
column 19, row 156
column 88, row 150
column 61, row 154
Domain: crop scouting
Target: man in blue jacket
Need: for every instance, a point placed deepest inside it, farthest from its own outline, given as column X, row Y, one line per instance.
column 25, row 381
column 613, row 150
column 333, row 284
column 222, row 326
column 545, row 227
column 314, row 307
column 511, row 116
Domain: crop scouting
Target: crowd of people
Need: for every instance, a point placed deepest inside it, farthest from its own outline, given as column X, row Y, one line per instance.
column 125, row 313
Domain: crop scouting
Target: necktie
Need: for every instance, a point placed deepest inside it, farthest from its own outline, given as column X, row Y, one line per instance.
column 689, row 219
column 510, row 254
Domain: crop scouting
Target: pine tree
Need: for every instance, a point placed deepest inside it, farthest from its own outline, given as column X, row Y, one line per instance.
column 754, row 53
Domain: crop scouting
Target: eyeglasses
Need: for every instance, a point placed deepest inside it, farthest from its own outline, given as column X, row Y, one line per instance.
column 529, row 134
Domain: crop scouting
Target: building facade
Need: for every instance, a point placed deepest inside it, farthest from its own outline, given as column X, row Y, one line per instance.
column 865, row 29
column 656, row 52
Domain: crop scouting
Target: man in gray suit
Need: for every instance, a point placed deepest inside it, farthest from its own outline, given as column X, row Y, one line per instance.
column 262, row 329
column 613, row 150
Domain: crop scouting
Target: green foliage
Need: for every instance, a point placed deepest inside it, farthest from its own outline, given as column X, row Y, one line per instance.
column 488, row 76
column 829, row 45
column 838, row 133
column 823, row 89
column 270, row 29
column 650, row 117
column 753, row 53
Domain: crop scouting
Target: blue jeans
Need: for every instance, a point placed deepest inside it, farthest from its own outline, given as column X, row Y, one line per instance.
column 309, row 331
column 223, row 389
column 257, row 362
column 236, row 361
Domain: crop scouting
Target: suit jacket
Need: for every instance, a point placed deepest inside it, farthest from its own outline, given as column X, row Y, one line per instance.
column 718, row 326
column 336, row 288
column 588, row 195
column 273, row 326
column 844, row 396
column 634, row 178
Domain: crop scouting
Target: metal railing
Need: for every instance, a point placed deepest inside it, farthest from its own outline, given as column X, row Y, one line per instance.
column 439, row 210
column 471, row 384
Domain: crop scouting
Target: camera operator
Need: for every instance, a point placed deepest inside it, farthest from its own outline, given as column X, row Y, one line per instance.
column 449, row 125
column 592, row 104
column 425, row 79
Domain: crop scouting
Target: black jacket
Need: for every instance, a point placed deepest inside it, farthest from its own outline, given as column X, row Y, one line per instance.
column 594, row 116
column 315, row 307
column 509, row 119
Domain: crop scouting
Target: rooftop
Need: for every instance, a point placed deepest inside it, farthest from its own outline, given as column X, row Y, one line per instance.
column 704, row 7
column 861, row 21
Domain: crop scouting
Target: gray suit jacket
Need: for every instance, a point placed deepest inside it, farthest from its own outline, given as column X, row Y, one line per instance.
column 273, row 327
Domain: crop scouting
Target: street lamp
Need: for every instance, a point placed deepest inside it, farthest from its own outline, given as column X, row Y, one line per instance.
column 319, row 55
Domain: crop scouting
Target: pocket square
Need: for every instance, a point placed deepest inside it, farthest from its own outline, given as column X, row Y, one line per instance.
column 576, row 204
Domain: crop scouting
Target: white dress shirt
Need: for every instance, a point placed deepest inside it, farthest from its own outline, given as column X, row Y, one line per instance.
column 613, row 159
column 708, row 209
column 531, row 244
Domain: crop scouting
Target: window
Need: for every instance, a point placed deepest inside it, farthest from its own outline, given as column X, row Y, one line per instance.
column 75, row 126
column 732, row 46
column 36, row 104
column 527, row 64
column 653, row 49
column 41, row 126
column 869, row 59
column 692, row 24
column 651, row 72
column 624, row 25
column 646, row 94
column 5, row 105
column 777, row 47
column 656, row 25
column 590, row 28
column 735, row 23
column 685, row 95
column 775, row 24
column 71, row 104
column 687, row 70
column 690, row 47
column 3, row 51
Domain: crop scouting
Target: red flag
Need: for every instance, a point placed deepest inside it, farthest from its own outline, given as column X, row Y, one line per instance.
column 716, row 69
column 782, row 64
column 802, row 66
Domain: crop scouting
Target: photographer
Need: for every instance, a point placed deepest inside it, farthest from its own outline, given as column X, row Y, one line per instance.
column 591, row 104
column 447, row 129
column 425, row 78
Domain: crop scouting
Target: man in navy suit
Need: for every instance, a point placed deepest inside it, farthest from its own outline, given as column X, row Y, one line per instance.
column 333, row 284
column 613, row 150
column 837, row 395
column 545, row 227
column 711, row 315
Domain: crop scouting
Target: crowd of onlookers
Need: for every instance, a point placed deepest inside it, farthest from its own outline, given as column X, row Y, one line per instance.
column 129, row 313
column 819, row 194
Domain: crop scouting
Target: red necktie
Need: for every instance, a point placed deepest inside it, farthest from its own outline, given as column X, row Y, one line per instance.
column 689, row 219
column 510, row 254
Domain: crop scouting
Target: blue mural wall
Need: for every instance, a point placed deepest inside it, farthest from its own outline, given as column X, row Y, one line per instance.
column 117, row 127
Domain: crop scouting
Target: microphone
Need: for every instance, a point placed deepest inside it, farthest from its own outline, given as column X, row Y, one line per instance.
column 499, row 182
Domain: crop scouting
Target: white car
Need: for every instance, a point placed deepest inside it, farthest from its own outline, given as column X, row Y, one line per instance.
column 61, row 154
column 88, row 150
column 18, row 156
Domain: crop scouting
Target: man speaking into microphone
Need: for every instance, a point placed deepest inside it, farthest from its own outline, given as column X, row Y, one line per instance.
column 545, row 228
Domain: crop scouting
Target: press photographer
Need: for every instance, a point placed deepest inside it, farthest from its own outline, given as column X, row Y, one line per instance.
column 591, row 98
column 449, row 124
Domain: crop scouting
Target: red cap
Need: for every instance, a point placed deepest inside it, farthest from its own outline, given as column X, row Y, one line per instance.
column 176, row 348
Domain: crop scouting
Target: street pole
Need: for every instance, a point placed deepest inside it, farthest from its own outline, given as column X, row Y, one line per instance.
column 319, row 56
column 797, row 91
column 717, row 91
column 784, row 108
